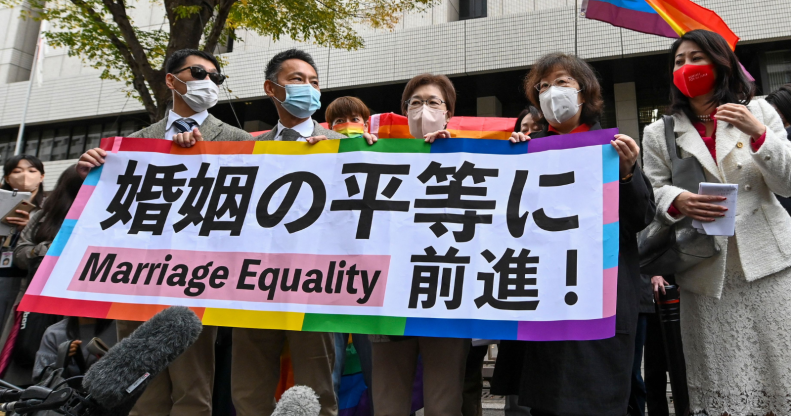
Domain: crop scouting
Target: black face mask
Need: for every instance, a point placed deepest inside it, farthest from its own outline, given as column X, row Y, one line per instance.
column 788, row 132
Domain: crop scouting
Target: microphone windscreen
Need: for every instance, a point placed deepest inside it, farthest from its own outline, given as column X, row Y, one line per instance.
column 298, row 401
column 117, row 380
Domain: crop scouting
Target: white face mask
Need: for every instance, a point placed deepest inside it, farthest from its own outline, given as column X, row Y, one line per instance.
column 559, row 104
column 201, row 95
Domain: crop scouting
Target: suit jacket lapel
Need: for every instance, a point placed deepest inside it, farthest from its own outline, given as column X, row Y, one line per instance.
column 158, row 128
column 689, row 139
column 210, row 128
column 268, row 136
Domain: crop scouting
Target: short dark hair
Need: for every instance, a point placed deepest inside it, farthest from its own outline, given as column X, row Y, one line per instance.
column 538, row 118
column 276, row 63
column 12, row 163
column 346, row 107
column 176, row 60
column 781, row 99
column 440, row 81
column 581, row 71
column 731, row 85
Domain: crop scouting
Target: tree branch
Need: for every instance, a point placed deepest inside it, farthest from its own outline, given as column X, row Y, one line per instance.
column 118, row 11
column 219, row 25
column 138, row 77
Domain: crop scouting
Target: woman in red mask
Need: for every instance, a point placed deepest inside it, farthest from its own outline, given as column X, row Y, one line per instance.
column 734, row 315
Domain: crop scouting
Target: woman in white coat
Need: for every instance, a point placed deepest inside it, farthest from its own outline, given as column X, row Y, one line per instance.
column 735, row 316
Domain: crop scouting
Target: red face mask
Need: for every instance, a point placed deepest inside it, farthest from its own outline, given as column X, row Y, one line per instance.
column 694, row 80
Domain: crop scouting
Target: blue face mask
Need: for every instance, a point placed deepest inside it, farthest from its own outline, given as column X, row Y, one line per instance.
column 302, row 100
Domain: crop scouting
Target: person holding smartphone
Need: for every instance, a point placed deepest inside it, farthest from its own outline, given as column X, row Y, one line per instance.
column 24, row 173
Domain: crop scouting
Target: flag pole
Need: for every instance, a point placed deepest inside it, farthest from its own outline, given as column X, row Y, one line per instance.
column 18, row 148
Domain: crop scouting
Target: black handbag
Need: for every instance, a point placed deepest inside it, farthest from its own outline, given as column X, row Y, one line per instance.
column 670, row 249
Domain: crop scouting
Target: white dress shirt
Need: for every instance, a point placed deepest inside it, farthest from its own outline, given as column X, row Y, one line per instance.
column 305, row 129
column 170, row 129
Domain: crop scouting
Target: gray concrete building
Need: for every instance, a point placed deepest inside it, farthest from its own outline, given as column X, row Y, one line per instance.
column 485, row 46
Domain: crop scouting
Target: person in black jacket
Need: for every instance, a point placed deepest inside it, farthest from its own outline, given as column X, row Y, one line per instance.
column 572, row 378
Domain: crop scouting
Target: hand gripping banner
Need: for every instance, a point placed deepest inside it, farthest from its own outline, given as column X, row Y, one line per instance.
column 460, row 238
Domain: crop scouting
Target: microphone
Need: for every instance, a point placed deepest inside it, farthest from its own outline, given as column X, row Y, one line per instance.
column 115, row 382
column 298, row 401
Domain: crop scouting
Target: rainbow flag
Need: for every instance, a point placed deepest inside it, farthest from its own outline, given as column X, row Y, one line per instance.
column 391, row 125
column 668, row 18
column 395, row 126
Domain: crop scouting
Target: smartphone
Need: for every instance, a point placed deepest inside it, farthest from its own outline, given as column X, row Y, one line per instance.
column 21, row 206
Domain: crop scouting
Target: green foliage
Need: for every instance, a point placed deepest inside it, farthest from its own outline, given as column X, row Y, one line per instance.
column 102, row 34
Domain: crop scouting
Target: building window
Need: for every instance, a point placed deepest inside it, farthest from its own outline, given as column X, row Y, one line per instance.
column 94, row 136
column 31, row 143
column 45, row 145
column 60, row 147
column 778, row 70
column 110, row 130
column 77, row 145
column 472, row 9
column 128, row 127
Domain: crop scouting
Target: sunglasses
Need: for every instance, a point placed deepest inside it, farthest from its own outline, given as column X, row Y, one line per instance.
column 200, row 73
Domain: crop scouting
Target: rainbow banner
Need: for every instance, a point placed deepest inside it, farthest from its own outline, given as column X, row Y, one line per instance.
column 391, row 125
column 668, row 18
column 394, row 126
column 468, row 238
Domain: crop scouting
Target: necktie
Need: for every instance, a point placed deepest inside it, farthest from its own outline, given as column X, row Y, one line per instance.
column 184, row 125
column 289, row 135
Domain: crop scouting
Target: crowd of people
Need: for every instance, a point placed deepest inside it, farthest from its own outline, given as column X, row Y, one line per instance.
column 734, row 320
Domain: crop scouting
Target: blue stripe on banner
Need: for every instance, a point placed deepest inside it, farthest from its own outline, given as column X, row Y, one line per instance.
column 610, row 164
column 485, row 146
column 62, row 238
column 93, row 176
column 461, row 328
column 611, row 244
column 636, row 5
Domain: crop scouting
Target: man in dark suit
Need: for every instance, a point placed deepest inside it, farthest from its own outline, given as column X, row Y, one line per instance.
column 292, row 82
column 185, row 387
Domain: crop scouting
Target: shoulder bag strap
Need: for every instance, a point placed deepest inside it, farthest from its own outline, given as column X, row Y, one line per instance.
column 670, row 140
column 686, row 173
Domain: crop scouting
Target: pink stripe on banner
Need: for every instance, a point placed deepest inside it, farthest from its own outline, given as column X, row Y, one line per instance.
column 117, row 144
column 610, row 291
column 565, row 330
column 610, row 191
column 307, row 279
column 79, row 203
column 42, row 275
column 373, row 126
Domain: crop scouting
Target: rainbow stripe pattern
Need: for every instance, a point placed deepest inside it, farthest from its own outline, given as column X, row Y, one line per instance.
column 668, row 18
column 604, row 327
column 392, row 126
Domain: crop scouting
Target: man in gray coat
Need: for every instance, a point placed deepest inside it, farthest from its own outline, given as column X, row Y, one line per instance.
column 292, row 82
column 185, row 387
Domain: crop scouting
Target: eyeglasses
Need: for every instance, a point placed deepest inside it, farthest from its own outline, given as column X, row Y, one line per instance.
column 200, row 73
column 560, row 82
column 434, row 103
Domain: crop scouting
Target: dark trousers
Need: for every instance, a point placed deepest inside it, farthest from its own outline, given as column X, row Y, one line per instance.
column 473, row 381
column 655, row 369
column 638, row 393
